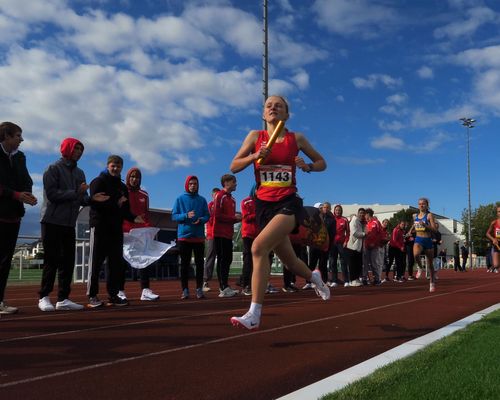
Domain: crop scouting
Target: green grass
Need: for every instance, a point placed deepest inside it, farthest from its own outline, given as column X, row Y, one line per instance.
column 28, row 276
column 463, row 366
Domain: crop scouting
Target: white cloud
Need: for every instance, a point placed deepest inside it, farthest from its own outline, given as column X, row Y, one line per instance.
column 354, row 17
column 486, row 57
column 301, row 79
column 340, row 98
column 285, row 5
column 360, row 160
column 114, row 110
column 476, row 17
column 397, row 99
column 391, row 142
column 425, row 72
column 387, row 141
column 372, row 81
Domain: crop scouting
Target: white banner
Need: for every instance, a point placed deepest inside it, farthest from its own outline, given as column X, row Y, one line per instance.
column 140, row 249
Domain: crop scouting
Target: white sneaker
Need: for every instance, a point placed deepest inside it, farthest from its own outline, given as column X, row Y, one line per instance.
column 121, row 294
column 332, row 284
column 148, row 295
column 206, row 288
column 68, row 305
column 248, row 321
column 307, row 286
column 321, row 289
column 356, row 283
column 346, row 284
column 5, row 309
column 44, row 304
column 227, row 292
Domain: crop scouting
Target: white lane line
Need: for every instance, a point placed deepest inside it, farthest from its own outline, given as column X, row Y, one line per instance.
column 225, row 339
column 350, row 375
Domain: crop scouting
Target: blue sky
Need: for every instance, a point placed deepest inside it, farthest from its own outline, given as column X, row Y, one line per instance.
column 174, row 86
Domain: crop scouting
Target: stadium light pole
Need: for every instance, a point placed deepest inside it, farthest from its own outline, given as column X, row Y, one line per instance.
column 469, row 124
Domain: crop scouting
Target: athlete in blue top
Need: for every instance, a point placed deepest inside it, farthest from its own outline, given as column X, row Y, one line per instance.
column 423, row 226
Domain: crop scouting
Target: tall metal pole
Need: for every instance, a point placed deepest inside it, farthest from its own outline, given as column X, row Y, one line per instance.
column 265, row 60
column 468, row 123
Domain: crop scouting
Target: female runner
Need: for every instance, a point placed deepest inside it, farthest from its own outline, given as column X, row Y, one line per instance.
column 423, row 226
column 493, row 234
column 279, row 210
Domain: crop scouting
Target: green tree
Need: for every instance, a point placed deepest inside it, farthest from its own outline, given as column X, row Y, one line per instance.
column 481, row 218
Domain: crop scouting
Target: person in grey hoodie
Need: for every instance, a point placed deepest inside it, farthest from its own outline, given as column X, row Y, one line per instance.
column 64, row 192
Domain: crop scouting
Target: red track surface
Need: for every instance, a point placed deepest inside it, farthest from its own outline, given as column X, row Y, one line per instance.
column 174, row 349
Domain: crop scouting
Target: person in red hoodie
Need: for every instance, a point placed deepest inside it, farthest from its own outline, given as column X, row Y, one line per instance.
column 248, row 234
column 208, row 269
column 338, row 248
column 372, row 252
column 397, row 250
column 64, row 192
column 225, row 217
column 139, row 205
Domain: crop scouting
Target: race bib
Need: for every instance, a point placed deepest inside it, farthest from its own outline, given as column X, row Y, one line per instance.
column 276, row 175
column 419, row 227
column 497, row 233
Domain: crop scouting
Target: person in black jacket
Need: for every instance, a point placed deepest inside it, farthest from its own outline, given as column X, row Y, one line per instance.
column 106, row 235
column 15, row 189
column 64, row 192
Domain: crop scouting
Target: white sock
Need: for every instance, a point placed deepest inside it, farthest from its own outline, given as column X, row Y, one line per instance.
column 256, row 309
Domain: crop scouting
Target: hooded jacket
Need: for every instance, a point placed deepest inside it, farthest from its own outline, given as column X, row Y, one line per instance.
column 139, row 202
column 189, row 229
column 249, row 228
column 357, row 235
column 61, row 181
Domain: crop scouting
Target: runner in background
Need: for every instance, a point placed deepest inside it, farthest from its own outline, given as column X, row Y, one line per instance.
column 424, row 225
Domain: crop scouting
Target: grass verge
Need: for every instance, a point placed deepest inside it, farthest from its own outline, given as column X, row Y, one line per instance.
column 461, row 366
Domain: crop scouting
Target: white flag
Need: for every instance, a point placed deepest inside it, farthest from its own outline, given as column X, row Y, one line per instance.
column 140, row 249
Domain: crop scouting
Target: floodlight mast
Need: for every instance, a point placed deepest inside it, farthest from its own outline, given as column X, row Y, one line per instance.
column 469, row 124
column 265, row 59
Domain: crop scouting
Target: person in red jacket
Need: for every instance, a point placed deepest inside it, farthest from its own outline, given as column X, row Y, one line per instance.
column 225, row 217
column 139, row 205
column 372, row 252
column 249, row 232
column 208, row 269
column 338, row 248
column 397, row 250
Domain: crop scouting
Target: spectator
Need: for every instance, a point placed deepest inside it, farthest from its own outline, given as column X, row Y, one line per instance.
column 465, row 256
column 355, row 247
column 372, row 252
column 139, row 205
column 397, row 250
column 208, row 269
column 64, row 192
column 225, row 217
column 191, row 213
column 338, row 248
column 15, row 191
column 106, row 235
column 456, row 256
column 248, row 234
